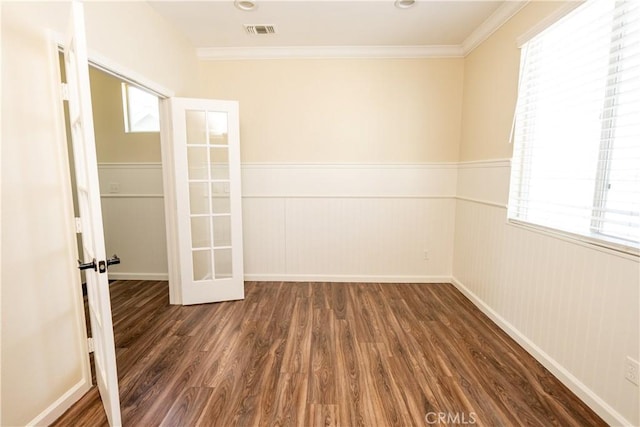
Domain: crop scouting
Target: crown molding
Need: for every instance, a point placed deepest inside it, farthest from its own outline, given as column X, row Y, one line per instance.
column 497, row 19
column 313, row 52
column 492, row 24
column 547, row 21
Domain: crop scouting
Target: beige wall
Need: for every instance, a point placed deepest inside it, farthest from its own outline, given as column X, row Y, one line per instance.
column 490, row 87
column 113, row 144
column 343, row 110
column 133, row 35
column 42, row 358
column 575, row 307
column 41, row 335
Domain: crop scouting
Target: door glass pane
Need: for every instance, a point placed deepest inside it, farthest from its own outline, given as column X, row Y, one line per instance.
column 223, row 262
column 217, row 122
column 219, row 163
column 198, row 162
column 196, row 127
column 202, row 265
column 201, row 232
column 220, row 188
column 220, row 202
column 222, row 231
column 199, row 197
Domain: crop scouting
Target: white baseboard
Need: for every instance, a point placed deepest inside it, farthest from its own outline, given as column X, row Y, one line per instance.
column 57, row 408
column 344, row 278
column 139, row 276
column 610, row 415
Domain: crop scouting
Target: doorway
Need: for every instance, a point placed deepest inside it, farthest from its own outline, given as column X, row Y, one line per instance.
column 130, row 172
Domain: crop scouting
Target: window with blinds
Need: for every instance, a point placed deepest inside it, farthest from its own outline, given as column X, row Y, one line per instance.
column 141, row 109
column 576, row 158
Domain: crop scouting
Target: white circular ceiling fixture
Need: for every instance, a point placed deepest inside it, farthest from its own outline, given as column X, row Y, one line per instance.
column 245, row 4
column 404, row 4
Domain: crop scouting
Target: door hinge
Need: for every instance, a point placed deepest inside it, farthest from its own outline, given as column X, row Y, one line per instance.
column 78, row 226
column 64, row 91
column 91, row 345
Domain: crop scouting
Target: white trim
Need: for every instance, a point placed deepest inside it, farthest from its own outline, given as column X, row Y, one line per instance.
column 599, row 245
column 482, row 202
column 345, row 196
column 64, row 402
column 168, row 187
column 344, row 278
column 507, row 10
column 126, row 74
column 497, row 19
column 493, row 163
column 138, row 276
column 131, row 196
column 583, row 392
column 118, row 70
column 311, row 52
column 629, row 253
column 548, row 21
column 303, row 165
column 132, row 165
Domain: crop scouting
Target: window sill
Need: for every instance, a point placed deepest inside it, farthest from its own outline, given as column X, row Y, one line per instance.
column 622, row 250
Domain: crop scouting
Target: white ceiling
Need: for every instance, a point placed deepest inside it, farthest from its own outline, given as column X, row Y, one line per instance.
column 216, row 25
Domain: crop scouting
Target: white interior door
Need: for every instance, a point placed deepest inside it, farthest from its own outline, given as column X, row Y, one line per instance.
column 206, row 158
column 95, row 261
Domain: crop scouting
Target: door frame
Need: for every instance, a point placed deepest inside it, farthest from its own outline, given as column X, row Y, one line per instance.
column 163, row 93
column 168, row 179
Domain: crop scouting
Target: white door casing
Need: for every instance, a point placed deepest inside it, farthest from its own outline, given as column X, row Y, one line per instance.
column 205, row 158
column 86, row 170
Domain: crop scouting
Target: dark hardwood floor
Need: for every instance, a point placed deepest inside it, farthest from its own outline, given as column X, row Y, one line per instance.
column 312, row 354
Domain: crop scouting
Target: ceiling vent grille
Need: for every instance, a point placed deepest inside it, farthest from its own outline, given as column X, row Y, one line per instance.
column 258, row 30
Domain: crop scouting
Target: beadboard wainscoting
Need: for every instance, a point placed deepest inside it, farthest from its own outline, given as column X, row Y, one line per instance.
column 305, row 222
column 349, row 222
column 571, row 305
column 133, row 218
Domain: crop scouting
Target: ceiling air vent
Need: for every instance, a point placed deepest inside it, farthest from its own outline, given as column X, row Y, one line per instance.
column 259, row 29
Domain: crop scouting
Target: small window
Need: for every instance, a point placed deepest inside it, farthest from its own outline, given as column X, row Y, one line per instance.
column 141, row 110
column 576, row 156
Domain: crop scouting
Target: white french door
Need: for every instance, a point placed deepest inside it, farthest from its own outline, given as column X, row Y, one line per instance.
column 206, row 161
column 95, row 262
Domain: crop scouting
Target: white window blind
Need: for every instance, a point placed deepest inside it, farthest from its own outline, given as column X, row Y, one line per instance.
column 576, row 159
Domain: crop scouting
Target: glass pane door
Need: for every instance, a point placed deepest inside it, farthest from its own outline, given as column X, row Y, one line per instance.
column 207, row 140
column 204, row 154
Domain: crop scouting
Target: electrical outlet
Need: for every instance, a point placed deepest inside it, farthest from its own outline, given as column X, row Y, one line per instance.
column 425, row 255
column 114, row 187
column 631, row 370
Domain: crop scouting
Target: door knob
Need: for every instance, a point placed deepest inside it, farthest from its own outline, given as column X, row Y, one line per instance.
column 88, row 265
column 93, row 265
column 113, row 260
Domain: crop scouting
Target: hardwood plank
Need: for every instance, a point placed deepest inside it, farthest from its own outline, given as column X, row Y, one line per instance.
column 290, row 400
column 356, row 402
column 339, row 300
column 188, row 407
column 315, row 354
column 322, row 415
column 297, row 353
column 322, row 375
